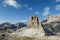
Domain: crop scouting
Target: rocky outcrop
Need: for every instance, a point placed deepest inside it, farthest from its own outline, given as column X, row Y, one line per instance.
column 49, row 26
column 7, row 28
column 34, row 38
column 52, row 25
column 33, row 29
column 33, row 21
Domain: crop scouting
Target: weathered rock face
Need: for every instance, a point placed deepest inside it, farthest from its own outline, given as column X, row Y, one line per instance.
column 33, row 21
column 52, row 25
column 53, row 19
column 34, row 29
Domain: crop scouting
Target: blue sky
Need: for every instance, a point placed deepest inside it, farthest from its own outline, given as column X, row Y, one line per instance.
column 20, row 10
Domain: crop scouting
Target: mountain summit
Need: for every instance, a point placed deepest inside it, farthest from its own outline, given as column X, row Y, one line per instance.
column 34, row 29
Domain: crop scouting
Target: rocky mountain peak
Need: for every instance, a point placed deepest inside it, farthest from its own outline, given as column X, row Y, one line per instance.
column 49, row 26
column 34, row 29
column 33, row 21
column 53, row 18
column 52, row 25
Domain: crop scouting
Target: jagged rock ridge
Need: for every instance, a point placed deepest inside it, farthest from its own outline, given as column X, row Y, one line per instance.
column 52, row 25
column 49, row 26
column 34, row 29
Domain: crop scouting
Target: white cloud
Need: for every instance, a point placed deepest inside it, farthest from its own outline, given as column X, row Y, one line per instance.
column 23, row 21
column 57, row 0
column 2, row 21
column 57, row 7
column 11, row 3
column 29, row 8
column 36, row 12
column 46, row 11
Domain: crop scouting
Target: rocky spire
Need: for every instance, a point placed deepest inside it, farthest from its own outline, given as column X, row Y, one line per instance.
column 33, row 21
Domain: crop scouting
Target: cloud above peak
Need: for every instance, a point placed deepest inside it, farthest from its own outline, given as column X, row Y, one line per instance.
column 57, row 0
column 58, row 7
column 46, row 11
column 12, row 3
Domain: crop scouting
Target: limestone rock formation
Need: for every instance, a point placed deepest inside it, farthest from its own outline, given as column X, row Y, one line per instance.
column 52, row 25
column 33, row 21
column 34, row 29
column 55, row 18
column 37, row 31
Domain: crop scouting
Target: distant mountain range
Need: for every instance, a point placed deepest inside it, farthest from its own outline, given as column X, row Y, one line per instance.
column 8, row 25
column 6, row 28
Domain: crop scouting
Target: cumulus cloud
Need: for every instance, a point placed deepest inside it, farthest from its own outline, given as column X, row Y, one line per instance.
column 57, row 7
column 57, row 0
column 46, row 11
column 12, row 3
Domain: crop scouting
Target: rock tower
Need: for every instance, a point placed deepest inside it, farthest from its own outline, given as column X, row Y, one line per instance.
column 33, row 21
